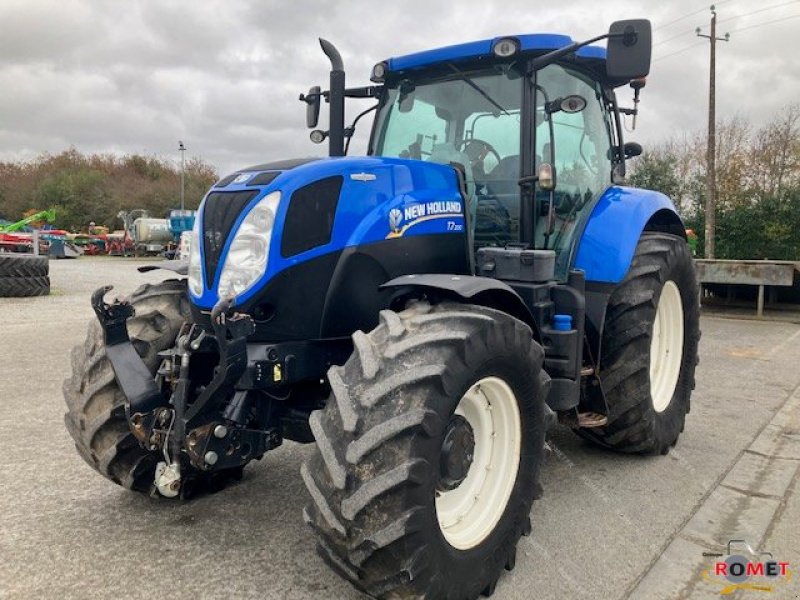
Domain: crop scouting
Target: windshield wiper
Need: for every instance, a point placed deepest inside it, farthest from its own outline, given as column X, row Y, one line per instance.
column 465, row 78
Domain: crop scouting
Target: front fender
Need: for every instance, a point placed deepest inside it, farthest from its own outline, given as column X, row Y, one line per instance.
column 483, row 291
column 609, row 239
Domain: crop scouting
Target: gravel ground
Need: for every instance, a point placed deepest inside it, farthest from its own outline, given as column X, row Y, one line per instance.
column 604, row 520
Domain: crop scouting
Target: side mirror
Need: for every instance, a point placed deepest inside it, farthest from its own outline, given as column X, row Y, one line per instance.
column 630, row 45
column 312, row 99
column 631, row 149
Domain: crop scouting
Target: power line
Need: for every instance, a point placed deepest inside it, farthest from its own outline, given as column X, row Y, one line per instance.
column 672, row 38
column 755, row 26
column 760, row 10
column 684, row 49
column 679, row 19
column 781, row 20
column 691, row 14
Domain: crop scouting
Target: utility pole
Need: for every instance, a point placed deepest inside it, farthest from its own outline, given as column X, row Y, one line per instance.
column 182, row 150
column 711, row 151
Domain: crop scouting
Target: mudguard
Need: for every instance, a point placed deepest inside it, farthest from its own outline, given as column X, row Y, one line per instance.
column 483, row 291
column 181, row 267
column 609, row 239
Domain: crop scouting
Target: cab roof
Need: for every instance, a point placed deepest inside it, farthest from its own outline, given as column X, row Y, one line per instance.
column 532, row 43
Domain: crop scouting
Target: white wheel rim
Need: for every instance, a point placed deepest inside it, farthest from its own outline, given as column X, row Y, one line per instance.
column 666, row 347
column 471, row 511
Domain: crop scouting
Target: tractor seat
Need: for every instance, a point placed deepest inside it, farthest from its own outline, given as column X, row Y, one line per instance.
column 502, row 180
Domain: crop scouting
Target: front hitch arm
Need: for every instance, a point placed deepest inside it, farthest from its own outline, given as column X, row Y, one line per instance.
column 230, row 330
column 133, row 376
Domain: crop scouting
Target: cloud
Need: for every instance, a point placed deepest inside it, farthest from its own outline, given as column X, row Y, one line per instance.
column 225, row 76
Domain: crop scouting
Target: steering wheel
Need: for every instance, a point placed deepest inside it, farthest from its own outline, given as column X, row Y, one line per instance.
column 477, row 150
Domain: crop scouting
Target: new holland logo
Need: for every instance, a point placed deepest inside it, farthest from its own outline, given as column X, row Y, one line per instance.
column 214, row 240
column 411, row 214
column 242, row 177
column 395, row 218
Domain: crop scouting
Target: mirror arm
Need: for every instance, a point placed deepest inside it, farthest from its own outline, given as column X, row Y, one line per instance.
column 546, row 59
column 311, row 98
column 369, row 91
column 616, row 110
column 636, row 91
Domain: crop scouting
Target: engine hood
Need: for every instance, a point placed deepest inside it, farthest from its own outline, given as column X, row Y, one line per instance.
column 330, row 204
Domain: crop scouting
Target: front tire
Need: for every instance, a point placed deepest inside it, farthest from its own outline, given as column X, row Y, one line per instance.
column 649, row 349
column 391, row 481
column 95, row 415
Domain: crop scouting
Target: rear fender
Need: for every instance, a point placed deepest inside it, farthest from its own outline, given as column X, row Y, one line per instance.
column 609, row 240
column 606, row 248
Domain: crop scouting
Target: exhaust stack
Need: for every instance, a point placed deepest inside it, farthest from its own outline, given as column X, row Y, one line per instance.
column 336, row 99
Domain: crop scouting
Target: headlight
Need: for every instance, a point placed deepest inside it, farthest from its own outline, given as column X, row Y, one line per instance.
column 195, row 271
column 247, row 255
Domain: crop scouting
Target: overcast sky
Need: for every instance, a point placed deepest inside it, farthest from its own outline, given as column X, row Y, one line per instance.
column 137, row 76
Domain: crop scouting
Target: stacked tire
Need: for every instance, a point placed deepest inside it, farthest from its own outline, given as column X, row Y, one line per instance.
column 23, row 275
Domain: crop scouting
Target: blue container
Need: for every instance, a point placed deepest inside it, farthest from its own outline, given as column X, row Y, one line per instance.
column 180, row 221
column 562, row 322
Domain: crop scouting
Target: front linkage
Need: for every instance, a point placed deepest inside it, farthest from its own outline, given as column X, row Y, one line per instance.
column 196, row 432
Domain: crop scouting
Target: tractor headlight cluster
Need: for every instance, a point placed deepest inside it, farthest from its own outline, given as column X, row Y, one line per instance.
column 247, row 255
column 195, row 270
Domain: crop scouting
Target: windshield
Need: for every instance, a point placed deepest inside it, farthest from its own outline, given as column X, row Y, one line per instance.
column 473, row 120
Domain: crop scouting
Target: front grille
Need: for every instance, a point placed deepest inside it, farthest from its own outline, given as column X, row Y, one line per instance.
column 219, row 214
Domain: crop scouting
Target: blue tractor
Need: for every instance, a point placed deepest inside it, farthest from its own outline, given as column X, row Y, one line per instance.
column 422, row 314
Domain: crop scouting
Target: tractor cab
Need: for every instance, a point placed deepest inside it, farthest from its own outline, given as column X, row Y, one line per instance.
column 500, row 124
column 534, row 131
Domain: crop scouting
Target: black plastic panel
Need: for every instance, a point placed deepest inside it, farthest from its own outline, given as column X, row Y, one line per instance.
column 281, row 165
column 309, row 218
column 219, row 214
column 226, row 180
column 263, row 178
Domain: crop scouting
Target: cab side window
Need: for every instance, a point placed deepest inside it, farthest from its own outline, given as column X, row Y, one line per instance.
column 580, row 149
column 492, row 143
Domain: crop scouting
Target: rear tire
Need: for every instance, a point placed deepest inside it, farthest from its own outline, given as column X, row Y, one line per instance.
column 378, row 467
column 24, row 287
column 16, row 265
column 23, row 276
column 651, row 316
column 95, row 415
